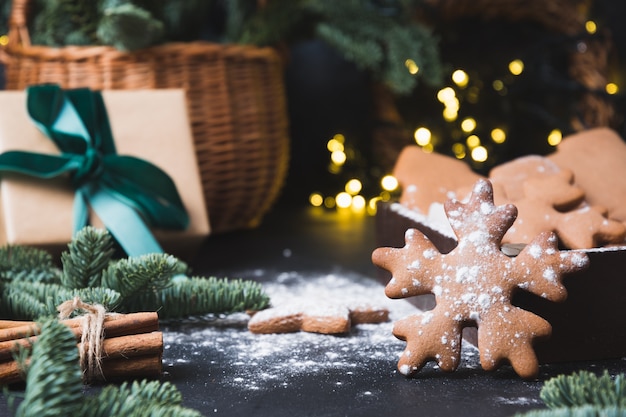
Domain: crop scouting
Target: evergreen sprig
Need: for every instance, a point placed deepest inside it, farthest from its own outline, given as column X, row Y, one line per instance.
column 152, row 272
column 53, row 378
column 27, row 264
column 376, row 36
column 154, row 282
column 54, row 385
column 583, row 394
column 584, row 388
column 87, row 256
column 585, row 411
column 196, row 296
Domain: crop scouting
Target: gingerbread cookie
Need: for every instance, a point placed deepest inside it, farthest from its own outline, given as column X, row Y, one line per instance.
column 552, row 203
column 415, row 170
column 597, row 157
column 473, row 286
column 321, row 317
column 512, row 175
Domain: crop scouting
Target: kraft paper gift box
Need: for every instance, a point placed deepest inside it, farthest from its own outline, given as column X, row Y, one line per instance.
column 149, row 124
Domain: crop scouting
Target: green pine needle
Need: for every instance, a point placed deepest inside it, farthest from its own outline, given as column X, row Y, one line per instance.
column 141, row 398
column 54, row 379
column 584, row 388
column 89, row 253
column 197, row 296
column 150, row 272
column 22, row 263
column 585, row 411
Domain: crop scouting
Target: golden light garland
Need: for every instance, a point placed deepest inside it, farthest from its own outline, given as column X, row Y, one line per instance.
column 470, row 146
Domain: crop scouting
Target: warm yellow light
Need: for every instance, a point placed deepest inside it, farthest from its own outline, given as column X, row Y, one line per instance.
column 4, row 40
column 329, row 202
column 358, row 202
column 498, row 135
column 372, row 205
column 353, row 186
column 343, row 200
column 422, row 136
column 453, row 104
column 389, row 183
column 591, row 27
column 555, row 137
column 480, row 154
column 446, row 94
column 339, row 138
column 460, row 78
column 498, row 85
column 459, row 150
column 612, row 88
column 450, row 115
column 338, row 157
column 468, row 124
column 334, row 145
column 316, row 199
column 429, row 148
column 385, row 196
column 411, row 66
column 516, row 66
column 472, row 141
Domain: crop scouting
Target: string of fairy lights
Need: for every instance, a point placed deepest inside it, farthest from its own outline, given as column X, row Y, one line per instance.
column 469, row 147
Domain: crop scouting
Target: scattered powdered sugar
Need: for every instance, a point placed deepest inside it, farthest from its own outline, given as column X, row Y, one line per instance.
column 254, row 361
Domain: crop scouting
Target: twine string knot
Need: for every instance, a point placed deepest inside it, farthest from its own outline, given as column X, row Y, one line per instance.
column 92, row 336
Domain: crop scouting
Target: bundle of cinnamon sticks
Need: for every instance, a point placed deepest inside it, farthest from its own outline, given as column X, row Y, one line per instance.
column 132, row 345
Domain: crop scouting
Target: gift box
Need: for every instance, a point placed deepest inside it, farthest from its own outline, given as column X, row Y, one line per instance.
column 149, row 124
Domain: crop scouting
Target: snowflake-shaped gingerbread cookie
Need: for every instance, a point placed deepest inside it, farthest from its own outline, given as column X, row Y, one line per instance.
column 473, row 286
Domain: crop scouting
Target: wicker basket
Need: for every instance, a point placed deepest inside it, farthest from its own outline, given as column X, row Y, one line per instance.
column 235, row 97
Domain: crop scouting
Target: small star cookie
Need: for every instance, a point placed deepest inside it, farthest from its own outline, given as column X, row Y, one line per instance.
column 320, row 317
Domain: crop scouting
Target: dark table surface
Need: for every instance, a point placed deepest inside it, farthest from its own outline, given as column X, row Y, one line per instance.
column 221, row 369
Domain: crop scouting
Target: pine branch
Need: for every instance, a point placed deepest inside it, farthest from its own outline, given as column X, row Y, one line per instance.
column 18, row 305
column 27, row 264
column 144, row 283
column 151, row 272
column 138, row 399
column 196, row 295
column 53, row 378
column 585, row 411
column 31, row 300
column 584, row 388
column 89, row 253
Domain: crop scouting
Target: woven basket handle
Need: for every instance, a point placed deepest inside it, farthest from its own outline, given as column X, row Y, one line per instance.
column 18, row 24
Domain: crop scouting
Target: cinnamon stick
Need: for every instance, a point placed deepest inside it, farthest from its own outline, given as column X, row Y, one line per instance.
column 142, row 366
column 114, row 325
column 114, row 347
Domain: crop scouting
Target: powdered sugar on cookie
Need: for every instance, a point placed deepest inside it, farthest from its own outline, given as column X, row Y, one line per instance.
column 473, row 286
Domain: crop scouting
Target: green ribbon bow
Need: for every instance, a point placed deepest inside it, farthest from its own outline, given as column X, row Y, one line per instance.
column 125, row 192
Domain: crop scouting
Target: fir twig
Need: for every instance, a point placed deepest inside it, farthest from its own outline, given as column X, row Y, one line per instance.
column 144, row 283
column 584, row 388
column 54, row 379
column 88, row 254
column 585, row 411
column 138, row 399
column 197, row 295
column 150, row 272
column 27, row 264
